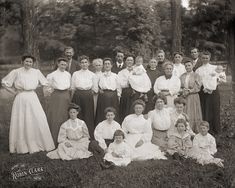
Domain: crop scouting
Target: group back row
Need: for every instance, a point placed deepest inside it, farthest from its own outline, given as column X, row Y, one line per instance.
column 102, row 83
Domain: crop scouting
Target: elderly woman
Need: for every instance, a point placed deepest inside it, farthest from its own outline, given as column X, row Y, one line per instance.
column 139, row 134
column 29, row 130
column 179, row 68
column 168, row 84
column 160, row 121
column 161, row 59
column 190, row 86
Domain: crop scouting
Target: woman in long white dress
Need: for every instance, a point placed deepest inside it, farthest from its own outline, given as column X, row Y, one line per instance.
column 29, row 130
column 139, row 134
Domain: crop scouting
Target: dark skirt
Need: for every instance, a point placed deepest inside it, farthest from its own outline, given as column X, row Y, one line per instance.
column 125, row 103
column 57, row 112
column 107, row 99
column 84, row 98
column 210, row 104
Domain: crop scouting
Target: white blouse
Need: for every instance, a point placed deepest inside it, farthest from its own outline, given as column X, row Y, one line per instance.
column 24, row 79
column 160, row 119
column 173, row 85
column 109, row 80
column 134, row 124
column 73, row 130
column 123, row 77
column 205, row 72
column 59, row 80
column 104, row 130
column 83, row 80
column 178, row 69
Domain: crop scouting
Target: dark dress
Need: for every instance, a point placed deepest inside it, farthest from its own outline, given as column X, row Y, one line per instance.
column 153, row 75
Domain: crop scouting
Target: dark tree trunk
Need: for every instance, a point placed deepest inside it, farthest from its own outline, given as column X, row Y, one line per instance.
column 29, row 28
column 176, row 25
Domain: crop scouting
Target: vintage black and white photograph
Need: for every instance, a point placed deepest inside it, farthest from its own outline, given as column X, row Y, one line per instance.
column 117, row 93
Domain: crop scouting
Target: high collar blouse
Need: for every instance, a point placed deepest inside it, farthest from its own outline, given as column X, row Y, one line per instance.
column 60, row 80
column 83, row 80
column 160, row 119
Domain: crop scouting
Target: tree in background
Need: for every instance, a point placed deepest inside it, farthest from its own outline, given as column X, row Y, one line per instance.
column 205, row 26
column 176, row 25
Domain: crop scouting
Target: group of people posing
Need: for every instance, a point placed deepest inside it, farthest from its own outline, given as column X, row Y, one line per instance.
column 118, row 111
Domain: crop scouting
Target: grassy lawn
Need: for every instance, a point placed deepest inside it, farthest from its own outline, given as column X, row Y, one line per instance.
column 153, row 173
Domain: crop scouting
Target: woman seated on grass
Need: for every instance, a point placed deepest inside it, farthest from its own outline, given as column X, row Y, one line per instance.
column 73, row 138
column 139, row 134
column 204, row 147
column 104, row 133
column 118, row 152
column 179, row 142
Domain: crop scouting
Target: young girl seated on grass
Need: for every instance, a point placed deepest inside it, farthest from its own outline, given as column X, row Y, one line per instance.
column 118, row 152
column 179, row 142
column 204, row 147
column 73, row 138
column 104, row 134
column 139, row 80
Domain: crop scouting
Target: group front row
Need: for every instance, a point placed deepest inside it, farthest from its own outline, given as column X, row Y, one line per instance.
column 119, row 145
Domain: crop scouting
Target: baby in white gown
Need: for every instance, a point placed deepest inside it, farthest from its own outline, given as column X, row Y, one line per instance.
column 139, row 80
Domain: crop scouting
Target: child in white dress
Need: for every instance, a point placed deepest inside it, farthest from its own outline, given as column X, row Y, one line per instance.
column 118, row 152
column 179, row 142
column 139, row 80
column 204, row 147
column 212, row 79
column 73, row 138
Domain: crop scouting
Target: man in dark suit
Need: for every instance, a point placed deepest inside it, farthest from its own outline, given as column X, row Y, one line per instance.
column 196, row 59
column 73, row 65
column 119, row 64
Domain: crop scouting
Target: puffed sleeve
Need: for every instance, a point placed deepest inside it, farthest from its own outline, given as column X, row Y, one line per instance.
column 147, row 132
column 98, row 136
column 175, row 86
column 62, row 136
column 119, row 89
column 156, row 84
column 212, row 145
column 85, row 131
column 42, row 80
column 73, row 80
column 9, row 79
column 125, row 125
column 95, row 81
